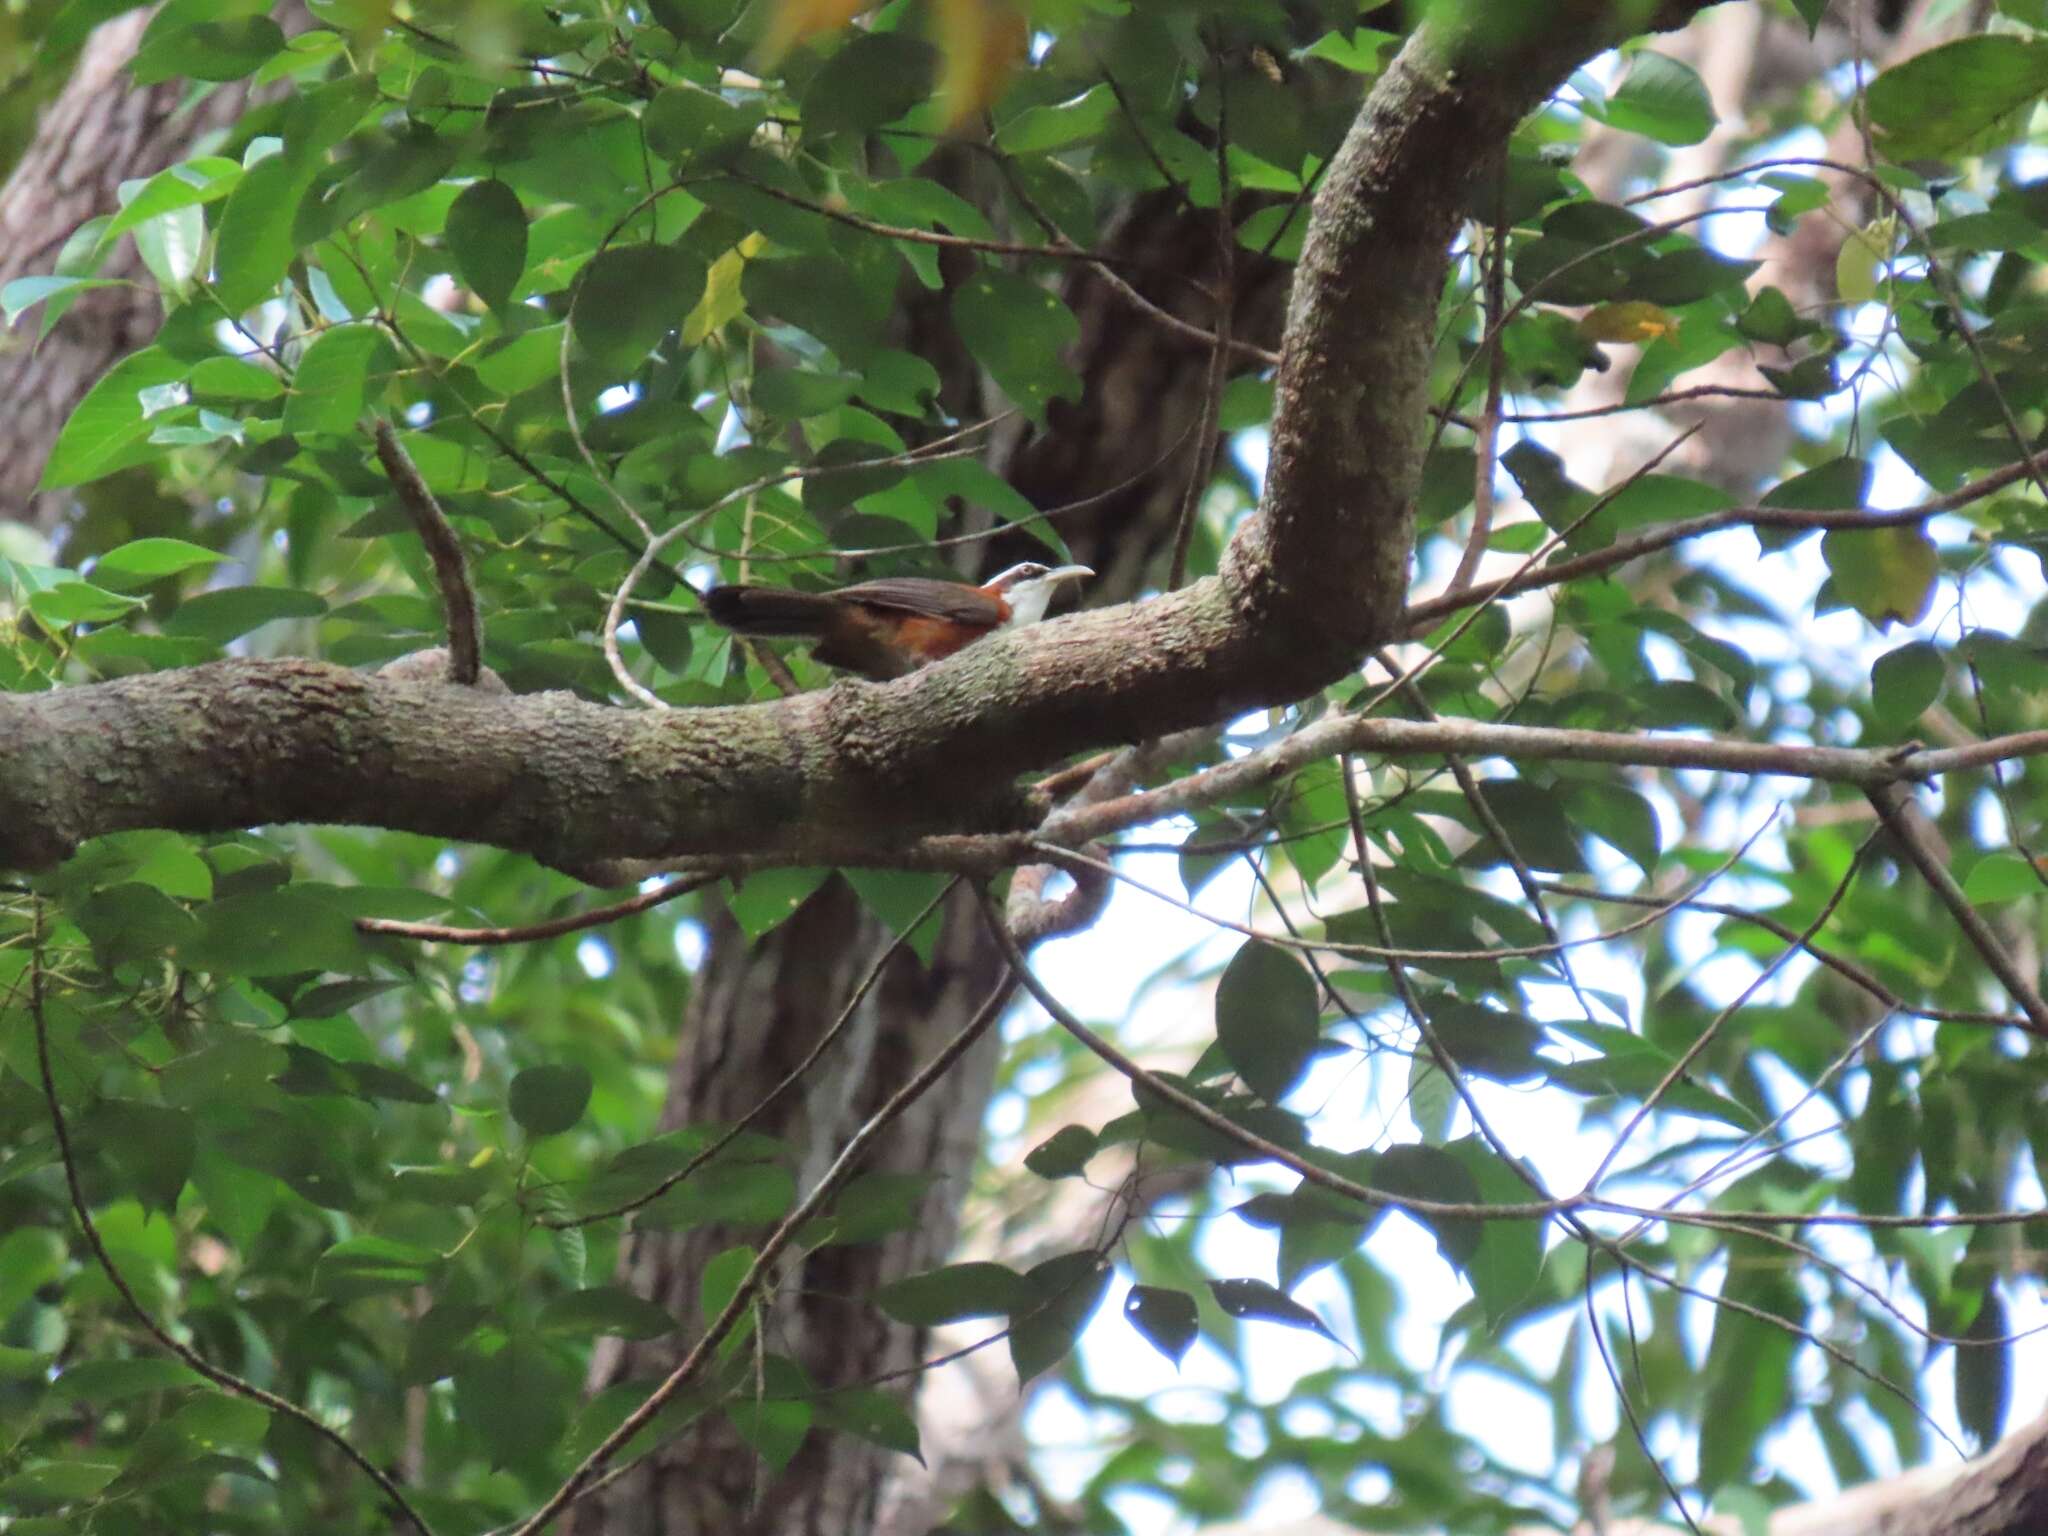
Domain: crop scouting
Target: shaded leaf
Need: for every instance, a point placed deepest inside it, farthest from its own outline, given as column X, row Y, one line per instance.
column 1060, row 1296
column 1261, row 1302
column 548, row 1099
column 1166, row 1318
column 947, row 1295
column 1267, row 1016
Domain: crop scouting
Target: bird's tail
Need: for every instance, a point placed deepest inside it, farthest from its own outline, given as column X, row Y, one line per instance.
column 769, row 610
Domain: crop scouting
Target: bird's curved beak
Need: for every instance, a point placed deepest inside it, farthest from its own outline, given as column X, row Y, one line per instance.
column 1061, row 573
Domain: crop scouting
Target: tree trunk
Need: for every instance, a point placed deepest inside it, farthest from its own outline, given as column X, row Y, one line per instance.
column 97, row 134
column 758, row 1009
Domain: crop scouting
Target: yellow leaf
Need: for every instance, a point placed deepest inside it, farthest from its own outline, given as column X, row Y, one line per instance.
column 722, row 300
column 984, row 41
column 1635, row 320
column 1857, row 263
column 798, row 21
column 1885, row 574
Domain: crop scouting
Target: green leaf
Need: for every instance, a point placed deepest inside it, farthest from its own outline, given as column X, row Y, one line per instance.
column 870, row 1207
column 1957, row 99
column 1063, row 1154
column 109, row 428
column 152, row 1144
column 134, row 920
column 1060, row 1296
column 1165, row 1318
column 236, row 1066
column 326, row 1000
column 874, row 79
column 694, row 124
column 111, row 1381
column 226, row 49
column 1488, row 1041
column 1434, row 1173
column 724, row 1191
column 723, row 1274
column 1505, row 1268
column 486, row 234
column 873, row 1415
column 216, row 1420
column 604, row 1309
column 2001, row 877
column 629, row 297
column 548, row 1099
column 30, row 1258
column 254, row 243
column 190, row 183
column 1749, row 1361
column 1905, row 682
column 24, row 293
column 79, row 602
column 774, row 1426
column 437, row 1343
column 372, row 1266
column 141, row 561
column 1618, row 816
column 899, row 897
column 957, row 1291
column 1019, row 332
column 517, row 1400
column 1530, row 815
column 1267, row 1017
column 1059, row 124
column 769, row 897
column 233, row 378
column 1887, row 574
column 1661, row 99
column 331, row 385
column 1984, row 1371
column 844, row 301
column 1632, row 1068
column 276, row 1144
column 446, row 1184
column 1260, row 1302
column 235, row 611
column 273, row 933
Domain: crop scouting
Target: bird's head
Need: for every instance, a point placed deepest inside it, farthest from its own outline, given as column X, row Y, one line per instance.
column 1029, row 588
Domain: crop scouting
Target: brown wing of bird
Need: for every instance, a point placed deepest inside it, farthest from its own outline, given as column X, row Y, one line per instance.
column 881, row 629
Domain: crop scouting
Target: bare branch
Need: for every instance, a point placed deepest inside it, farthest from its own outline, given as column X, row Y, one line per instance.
column 1899, row 814
column 451, row 570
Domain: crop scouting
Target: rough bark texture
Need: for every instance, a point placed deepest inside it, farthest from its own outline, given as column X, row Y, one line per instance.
column 97, row 134
column 759, row 1007
column 1318, row 578
column 1307, row 586
column 2002, row 1493
column 756, row 1013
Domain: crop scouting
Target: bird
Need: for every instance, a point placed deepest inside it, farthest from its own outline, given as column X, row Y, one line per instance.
column 886, row 628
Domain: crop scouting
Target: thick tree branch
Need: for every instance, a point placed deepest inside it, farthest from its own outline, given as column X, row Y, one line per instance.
column 1310, row 584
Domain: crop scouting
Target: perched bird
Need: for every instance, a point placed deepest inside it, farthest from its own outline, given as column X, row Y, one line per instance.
column 883, row 629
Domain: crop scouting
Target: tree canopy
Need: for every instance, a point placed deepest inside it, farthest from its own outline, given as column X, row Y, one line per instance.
column 1606, row 630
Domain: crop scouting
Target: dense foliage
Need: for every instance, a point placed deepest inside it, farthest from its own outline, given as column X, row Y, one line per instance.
column 621, row 278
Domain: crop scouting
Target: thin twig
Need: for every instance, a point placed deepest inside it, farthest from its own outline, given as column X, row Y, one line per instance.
column 451, row 570
column 553, row 928
column 1487, row 456
column 752, row 1283
column 1222, row 1125
column 1707, row 1036
column 1219, row 352
column 1896, row 811
column 226, row 1380
column 794, row 1076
